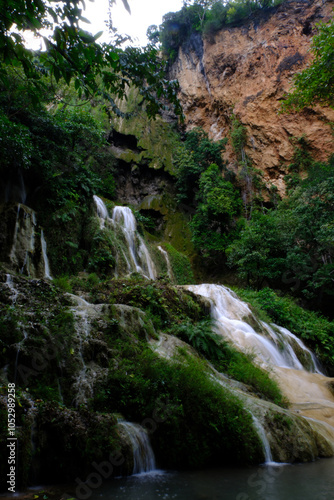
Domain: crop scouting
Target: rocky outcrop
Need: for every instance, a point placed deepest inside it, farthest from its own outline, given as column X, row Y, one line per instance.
column 246, row 70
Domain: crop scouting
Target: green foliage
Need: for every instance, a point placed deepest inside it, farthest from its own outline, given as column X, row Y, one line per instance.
column 144, row 221
column 63, row 158
column 201, row 337
column 315, row 84
column 216, row 18
column 259, row 252
column 176, row 28
column 181, row 266
column 192, row 158
column 250, row 177
column 101, row 255
column 199, row 167
column 164, row 303
column 74, row 55
column 238, row 137
column 207, row 17
column 219, row 203
column 192, row 405
column 63, row 283
column 16, row 144
column 291, row 247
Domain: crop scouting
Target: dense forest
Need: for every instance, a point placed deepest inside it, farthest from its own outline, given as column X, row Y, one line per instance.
column 61, row 112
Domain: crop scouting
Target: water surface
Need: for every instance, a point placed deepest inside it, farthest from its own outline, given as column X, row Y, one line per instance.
column 311, row 481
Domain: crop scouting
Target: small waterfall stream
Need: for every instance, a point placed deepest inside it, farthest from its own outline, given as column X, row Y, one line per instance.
column 139, row 254
column 45, row 257
column 169, row 266
column 265, row 443
column 83, row 384
column 88, row 372
column 13, row 290
column 143, row 456
column 28, row 255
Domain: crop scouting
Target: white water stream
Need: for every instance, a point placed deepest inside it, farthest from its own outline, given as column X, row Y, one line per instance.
column 137, row 258
column 143, row 456
column 25, row 252
column 13, row 290
column 279, row 351
column 83, row 384
column 47, row 273
column 169, row 266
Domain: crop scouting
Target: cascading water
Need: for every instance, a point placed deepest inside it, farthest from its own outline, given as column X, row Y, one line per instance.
column 28, row 255
column 138, row 259
column 270, row 344
column 13, row 290
column 278, row 350
column 265, row 443
column 143, row 456
column 101, row 209
column 88, row 372
column 83, row 386
column 139, row 254
column 47, row 273
column 169, row 266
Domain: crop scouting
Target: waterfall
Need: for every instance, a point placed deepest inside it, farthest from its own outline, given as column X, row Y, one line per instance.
column 82, row 386
column 169, row 267
column 123, row 219
column 101, row 209
column 29, row 251
column 16, row 229
column 236, row 322
column 45, row 257
column 143, row 456
column 13, row 290
column 264, row 440
column 139, row 254
column 27, row 255
column 276, row 349
column 87, row 373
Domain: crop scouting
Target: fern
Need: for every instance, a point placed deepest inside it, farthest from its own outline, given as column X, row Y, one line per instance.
column 201, row 337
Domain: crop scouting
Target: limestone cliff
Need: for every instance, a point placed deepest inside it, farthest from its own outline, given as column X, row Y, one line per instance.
column 246, row 70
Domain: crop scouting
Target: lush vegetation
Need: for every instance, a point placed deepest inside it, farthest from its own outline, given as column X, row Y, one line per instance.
column 205, row 190
column 205, row 17
column 196, row 406
column 291, row 246
column 74, row 55
column 315, row 84
column 57, row 142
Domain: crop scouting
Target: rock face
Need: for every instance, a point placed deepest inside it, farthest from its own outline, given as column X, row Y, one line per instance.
column 246, row 70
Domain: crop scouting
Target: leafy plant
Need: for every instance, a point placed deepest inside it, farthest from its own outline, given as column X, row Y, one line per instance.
column 219, row 203
column 73, row 54
column 201, row 337
column 315, row 84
